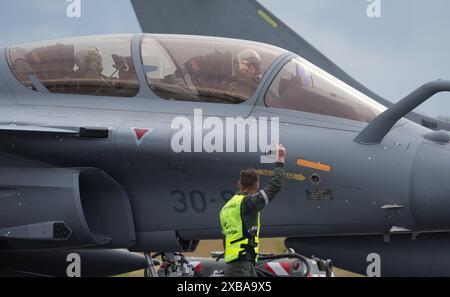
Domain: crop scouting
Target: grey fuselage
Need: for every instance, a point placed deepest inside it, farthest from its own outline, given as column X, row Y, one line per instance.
column 399, row 184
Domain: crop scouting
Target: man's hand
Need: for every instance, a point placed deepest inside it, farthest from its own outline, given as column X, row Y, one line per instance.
column 281, row 153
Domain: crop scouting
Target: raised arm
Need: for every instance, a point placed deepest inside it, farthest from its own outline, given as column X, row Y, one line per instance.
column 263, row 197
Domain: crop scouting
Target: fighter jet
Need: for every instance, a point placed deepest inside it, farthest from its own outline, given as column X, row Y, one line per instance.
column 252, row 21
column 135, row 142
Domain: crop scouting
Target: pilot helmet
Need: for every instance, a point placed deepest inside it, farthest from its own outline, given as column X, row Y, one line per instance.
column 251, row 57
column 89, row 59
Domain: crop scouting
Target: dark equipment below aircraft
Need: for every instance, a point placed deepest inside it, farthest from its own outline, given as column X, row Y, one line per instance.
column 398, row 255
column 93, row 263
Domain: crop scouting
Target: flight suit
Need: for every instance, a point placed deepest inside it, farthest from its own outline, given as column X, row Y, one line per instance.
column 241, row 89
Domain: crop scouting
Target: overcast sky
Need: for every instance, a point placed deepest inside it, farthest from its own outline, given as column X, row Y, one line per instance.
column 392, row 55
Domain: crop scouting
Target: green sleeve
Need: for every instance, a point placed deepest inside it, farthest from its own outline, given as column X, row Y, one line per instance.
column 259, row 200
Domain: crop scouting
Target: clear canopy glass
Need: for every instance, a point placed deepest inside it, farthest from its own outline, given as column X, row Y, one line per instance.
column 302, row 86
column 205, row 69
column 100, row 65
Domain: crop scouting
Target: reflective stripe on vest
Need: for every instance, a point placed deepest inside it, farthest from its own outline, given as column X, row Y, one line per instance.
column 233, row 228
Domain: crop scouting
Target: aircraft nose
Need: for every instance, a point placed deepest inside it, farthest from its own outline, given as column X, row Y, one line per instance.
column 430, row 186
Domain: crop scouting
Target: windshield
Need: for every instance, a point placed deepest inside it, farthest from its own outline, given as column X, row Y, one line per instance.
column 205, row 69
column 302, row 86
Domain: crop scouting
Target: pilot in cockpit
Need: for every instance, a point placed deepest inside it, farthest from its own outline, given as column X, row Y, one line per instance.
column 248, row 71
column 89, row 61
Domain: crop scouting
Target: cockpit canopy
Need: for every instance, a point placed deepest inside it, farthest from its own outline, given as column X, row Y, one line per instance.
column 205, row 68
column 177, row 67
column 302, row 86
column 187, row 68
column 83, row 66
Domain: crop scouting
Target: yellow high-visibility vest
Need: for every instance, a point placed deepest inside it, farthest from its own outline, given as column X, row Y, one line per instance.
column 237, row 239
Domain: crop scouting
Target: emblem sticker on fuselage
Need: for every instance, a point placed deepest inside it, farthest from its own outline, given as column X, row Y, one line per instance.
column 139, row 134
column 319, row 194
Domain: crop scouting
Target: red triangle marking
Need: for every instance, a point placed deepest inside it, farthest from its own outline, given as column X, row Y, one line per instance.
column 140, row 133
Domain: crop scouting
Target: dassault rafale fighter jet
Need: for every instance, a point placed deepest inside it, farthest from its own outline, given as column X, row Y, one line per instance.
column 401, row 255
column 135, row 141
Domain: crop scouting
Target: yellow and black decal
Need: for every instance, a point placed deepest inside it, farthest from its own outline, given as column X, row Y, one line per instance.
column 289, row 175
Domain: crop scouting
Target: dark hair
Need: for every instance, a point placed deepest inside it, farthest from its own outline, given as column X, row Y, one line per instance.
column 248, row 178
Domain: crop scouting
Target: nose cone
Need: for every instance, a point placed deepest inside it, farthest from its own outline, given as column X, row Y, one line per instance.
column 430, row 187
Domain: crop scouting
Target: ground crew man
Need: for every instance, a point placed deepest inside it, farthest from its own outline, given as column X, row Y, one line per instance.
column 240, row 219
